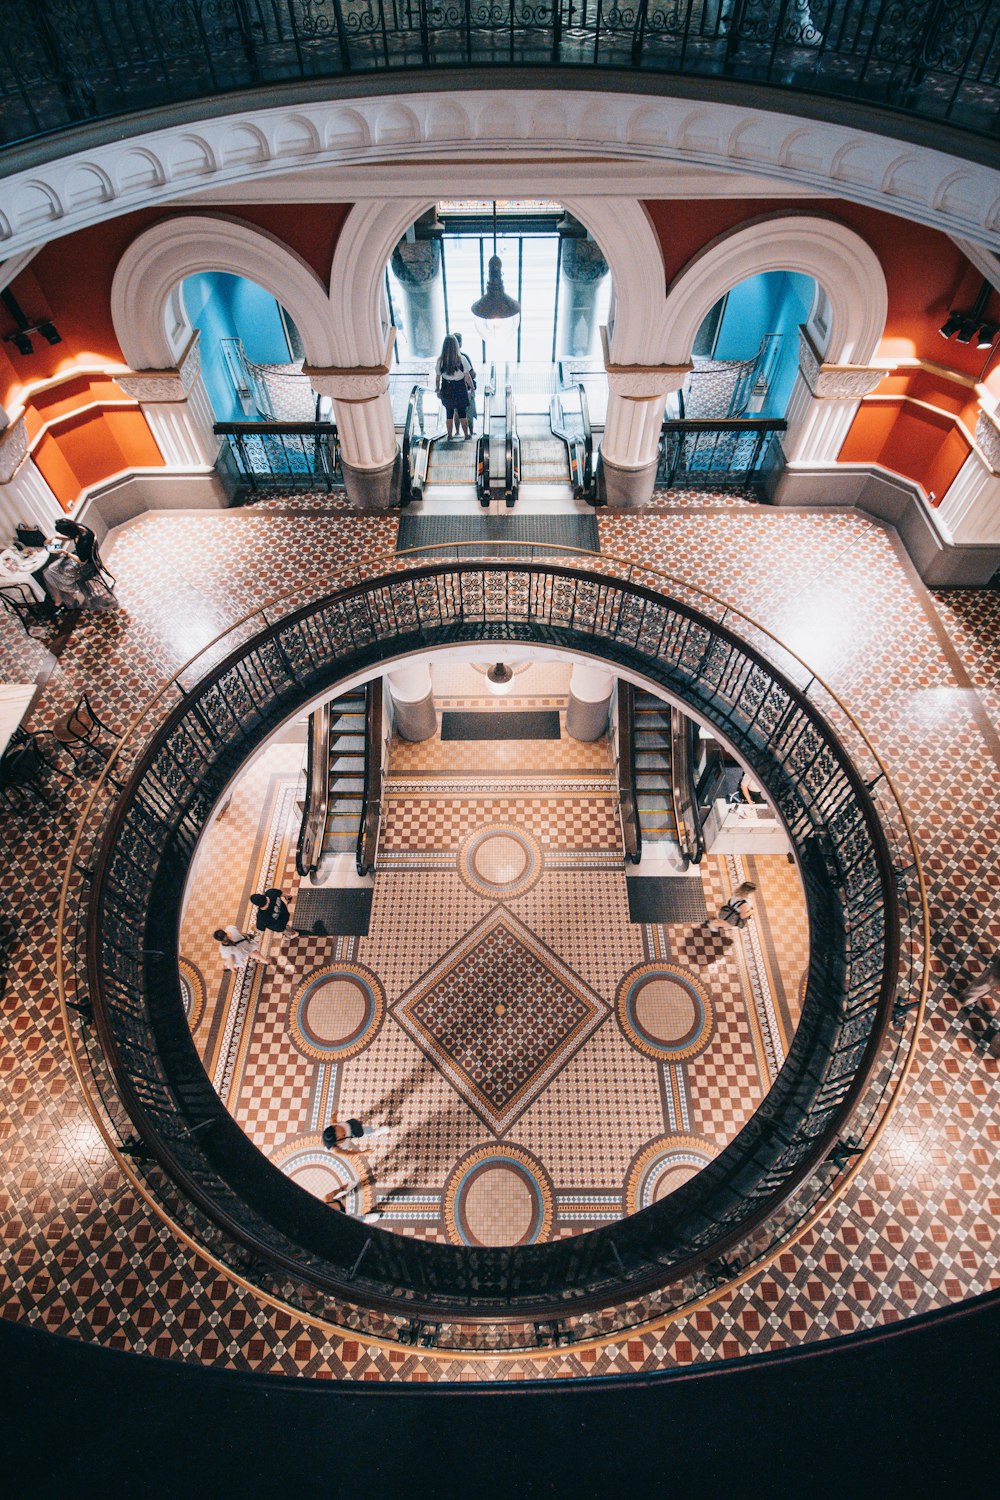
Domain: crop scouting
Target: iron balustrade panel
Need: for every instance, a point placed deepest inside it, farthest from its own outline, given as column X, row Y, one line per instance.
column 280, row 455
column 176, row 784
column 718, row 454
column 69, row 61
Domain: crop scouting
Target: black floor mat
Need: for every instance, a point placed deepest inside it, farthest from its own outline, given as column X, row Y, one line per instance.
column 334, row 913
column 500, row 726
column 660, row 898
column 545, row 531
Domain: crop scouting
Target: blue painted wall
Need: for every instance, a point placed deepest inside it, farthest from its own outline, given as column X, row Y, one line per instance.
column 230, row 307
column 774, row 302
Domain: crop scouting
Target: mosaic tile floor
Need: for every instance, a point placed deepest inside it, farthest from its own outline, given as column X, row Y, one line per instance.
column 526, row 1044
column 84, row 1256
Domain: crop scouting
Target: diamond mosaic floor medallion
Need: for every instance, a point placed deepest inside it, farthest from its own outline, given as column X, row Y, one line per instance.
column 499, row 1015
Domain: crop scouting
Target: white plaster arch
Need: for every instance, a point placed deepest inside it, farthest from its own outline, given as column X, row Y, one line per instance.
column 146, row 309
column 620, row 226
column 610, row 132
column 838, row 260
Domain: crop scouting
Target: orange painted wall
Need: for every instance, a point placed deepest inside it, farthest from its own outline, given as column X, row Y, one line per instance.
column 926, row 273
column 90, row 447
column 69, row 282
column 70, row 279
column 927, row 446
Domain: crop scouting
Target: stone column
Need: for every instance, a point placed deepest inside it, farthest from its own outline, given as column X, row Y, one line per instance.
column 590, row 690
column 416, row 265
column 24, row 491
column 363, row 411
column 582, row 268
column 823, row 404
column 637, row 395
column 175, row 403
column 414, row 715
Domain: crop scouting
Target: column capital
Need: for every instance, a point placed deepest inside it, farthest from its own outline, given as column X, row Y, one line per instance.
column 164, row 385
column 835, row 382
column 988, row 439
column 13, row 448
column 642, row 382
column 353, row 382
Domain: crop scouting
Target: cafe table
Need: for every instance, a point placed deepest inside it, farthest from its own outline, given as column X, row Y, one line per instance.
column 15, row 698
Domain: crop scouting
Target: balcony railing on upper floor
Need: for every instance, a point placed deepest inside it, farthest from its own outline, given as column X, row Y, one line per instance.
column 63, row 62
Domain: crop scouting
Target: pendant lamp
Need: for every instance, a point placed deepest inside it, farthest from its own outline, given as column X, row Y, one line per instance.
column 496, row 315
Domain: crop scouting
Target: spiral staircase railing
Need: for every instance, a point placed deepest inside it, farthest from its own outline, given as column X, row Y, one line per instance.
column 850, row 1056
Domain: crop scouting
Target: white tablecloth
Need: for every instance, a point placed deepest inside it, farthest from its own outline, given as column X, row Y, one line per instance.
column 14, row 700
column 17, row 570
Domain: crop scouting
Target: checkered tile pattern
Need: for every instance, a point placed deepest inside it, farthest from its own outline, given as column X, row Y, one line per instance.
column 557, row 821
column 83, row 1256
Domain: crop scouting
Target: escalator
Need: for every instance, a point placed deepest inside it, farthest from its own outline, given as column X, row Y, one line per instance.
column 657, row 747
column 534, row 442
column 343, row 781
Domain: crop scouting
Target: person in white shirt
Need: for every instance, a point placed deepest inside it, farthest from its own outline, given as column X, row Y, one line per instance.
column 236, row 948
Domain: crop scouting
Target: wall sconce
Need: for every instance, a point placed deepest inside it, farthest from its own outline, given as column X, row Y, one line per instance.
column 966, row 326
column 21, row 337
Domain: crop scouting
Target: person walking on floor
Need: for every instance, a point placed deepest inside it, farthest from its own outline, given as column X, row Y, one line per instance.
column 341, row 1135
column 273, row 914
column 237, row 949
column 986, row 985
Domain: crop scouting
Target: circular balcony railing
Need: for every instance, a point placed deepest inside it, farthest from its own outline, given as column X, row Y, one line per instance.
column 69, row 62
column 867, row 978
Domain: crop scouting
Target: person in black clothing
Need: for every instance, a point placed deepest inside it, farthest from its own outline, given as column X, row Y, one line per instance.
column 272, row 910
column 83, row 539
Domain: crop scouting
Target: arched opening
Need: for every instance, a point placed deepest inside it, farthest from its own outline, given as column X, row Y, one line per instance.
column 251, row 350
column 746, row 352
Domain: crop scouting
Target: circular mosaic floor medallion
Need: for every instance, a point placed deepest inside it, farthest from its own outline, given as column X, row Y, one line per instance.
column 500, row 862
column 498, row 1195
column 664, row 1012
column 336, row 1011
column 321, row 1172
column 192, row 991
column 663, row 1166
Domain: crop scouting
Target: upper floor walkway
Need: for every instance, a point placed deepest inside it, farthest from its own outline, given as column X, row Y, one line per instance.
column 926, row 71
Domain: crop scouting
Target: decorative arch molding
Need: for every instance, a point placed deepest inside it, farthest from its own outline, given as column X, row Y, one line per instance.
column 620, row 226
column 837, row 258
column 148, row 313
column 556, row 131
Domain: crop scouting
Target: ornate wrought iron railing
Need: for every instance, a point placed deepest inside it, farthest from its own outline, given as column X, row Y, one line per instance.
column 731, row 454
column 280, row 455
column 63, row 62
column 867, row 979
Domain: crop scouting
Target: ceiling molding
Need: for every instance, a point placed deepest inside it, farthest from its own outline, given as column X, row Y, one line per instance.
column 463, row 138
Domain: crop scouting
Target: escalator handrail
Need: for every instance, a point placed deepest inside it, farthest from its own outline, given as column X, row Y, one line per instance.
column 317, row 801
column 579, row 446
column 483, row 491
column 416, row 400
column 683, row 795
column 371, row 798
column 511, row 453
column 627, row 806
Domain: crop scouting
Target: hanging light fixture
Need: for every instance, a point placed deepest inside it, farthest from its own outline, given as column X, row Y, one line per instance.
column 496, row 315
column 499, row 678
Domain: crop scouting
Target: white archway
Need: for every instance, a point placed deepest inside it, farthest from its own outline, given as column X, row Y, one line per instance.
column 621, row 227
column 837, row 259
column 148, row 316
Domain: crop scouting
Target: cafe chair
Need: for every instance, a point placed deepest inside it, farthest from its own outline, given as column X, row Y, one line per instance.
column 18, row 600
column 80, row 730
column 22, row 769
column 96, row 569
